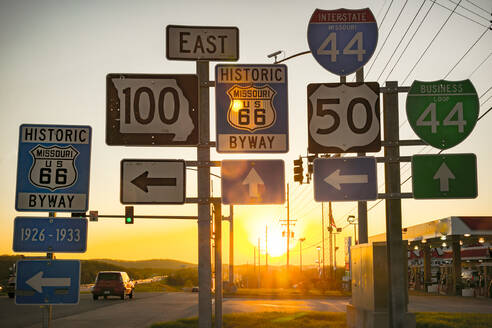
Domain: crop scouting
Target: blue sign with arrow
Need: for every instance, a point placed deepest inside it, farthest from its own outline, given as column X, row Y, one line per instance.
column 345, row 179
column 53, row 168
column 57, row 235
column 47, row 282
column 342, row 40
column 253, row 182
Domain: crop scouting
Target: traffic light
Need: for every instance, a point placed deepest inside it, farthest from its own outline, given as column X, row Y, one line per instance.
column 128, row 214
column 298, row 170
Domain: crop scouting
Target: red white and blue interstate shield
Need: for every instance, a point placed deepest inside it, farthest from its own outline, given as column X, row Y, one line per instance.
column 342, row 40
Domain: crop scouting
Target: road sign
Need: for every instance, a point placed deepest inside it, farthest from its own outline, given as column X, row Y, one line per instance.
column 53, row 168
column 202, row 43
column 345, row 179
column 444, row 176
column 343, row 117
column 149, row 181
column 253, row 182
column 342, row 40
column 47, row 282
column 442, row 113
column 251, row 109
column 151, row 110
column 57, row 235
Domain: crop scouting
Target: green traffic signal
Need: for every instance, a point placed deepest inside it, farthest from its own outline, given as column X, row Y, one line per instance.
column 128, row 214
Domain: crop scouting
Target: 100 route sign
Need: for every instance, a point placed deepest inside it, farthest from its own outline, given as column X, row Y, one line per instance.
column 342, row 40
column 442, row 113
column 151, row 110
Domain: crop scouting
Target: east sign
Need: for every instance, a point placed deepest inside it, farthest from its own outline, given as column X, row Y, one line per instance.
column 251, row 108
column 202, row 43
column 442, row 113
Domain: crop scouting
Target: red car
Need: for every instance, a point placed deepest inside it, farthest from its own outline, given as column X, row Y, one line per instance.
column 113, row 283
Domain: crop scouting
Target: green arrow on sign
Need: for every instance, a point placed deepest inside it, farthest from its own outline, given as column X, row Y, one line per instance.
column 442, row 113
column 444, row 176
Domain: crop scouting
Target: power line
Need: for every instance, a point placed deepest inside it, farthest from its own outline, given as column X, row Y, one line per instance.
column 477, row 6
column 411, row 39
column 459, row 14
column 401, row 39
column 386, row 13
column 471, row 11
column 466, row 53
column 479, row 65
column 432, row 41
column 387, row 37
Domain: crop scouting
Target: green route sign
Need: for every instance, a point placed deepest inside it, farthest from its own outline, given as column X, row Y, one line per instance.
column 442, row 113
column 444, row 176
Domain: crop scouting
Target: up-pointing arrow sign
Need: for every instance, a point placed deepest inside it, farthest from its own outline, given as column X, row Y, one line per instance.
column 37, row 282
column 253, row 180
column 444, row 174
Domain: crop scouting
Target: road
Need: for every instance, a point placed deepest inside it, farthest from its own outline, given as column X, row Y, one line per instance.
column 148, row 308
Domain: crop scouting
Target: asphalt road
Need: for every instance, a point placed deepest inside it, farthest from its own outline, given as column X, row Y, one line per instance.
column 148, row 308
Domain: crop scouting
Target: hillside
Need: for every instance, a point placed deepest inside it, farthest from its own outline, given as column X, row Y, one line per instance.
column 151, row 264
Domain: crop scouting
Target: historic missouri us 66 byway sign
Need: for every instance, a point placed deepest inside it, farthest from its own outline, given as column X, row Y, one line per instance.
column 251, row 108
column 53, row 168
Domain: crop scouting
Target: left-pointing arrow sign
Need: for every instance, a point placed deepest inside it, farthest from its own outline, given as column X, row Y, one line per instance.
column 37, row 282
column 143, row 181
column 336, row 179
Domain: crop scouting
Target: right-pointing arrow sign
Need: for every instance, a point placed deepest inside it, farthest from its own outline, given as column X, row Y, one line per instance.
column 345, row 179
column 444, row 174
column 336, row 179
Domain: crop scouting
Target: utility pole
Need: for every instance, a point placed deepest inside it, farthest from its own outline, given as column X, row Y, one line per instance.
column 231, row 246
column 300, row 253
column 323, row 238
column 330, row 229
column 259, row 263
column 254, row 259
column 266, row 247
column 288, row 223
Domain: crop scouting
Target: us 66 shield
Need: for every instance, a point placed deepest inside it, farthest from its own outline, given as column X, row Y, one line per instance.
column 251, row 108
column 53, row 168
column 151, row 110
column 442, row 113
column 343, row 117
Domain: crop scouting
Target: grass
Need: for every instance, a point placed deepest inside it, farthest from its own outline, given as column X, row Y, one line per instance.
column 330, row 320
column 156, row 286
column 281, row 293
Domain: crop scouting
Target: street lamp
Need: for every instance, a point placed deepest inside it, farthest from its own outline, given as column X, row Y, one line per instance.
column 352, row 220
column 300, row 252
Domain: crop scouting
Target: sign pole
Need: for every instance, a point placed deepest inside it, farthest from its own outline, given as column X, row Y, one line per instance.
column 48, row 309
column 231, row 246
column 203, row 155
column 362, row 205
column 218, row 262
column 396, row 255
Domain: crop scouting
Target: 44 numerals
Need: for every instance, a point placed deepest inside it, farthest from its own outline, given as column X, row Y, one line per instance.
column 454, row 118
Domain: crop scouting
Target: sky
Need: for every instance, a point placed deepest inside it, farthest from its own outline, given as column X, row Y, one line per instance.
column 56, row 54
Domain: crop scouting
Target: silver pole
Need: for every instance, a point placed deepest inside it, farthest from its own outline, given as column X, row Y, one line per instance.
column 203, row 155
column 362, row 205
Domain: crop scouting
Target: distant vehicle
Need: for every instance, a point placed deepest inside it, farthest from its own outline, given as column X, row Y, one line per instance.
column 11, row 282
column 113, row 283
column 195, row 290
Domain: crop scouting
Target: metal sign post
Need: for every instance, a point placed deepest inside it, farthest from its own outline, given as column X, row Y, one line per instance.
column 203, row 156
column 396, row 257
column 218, row 261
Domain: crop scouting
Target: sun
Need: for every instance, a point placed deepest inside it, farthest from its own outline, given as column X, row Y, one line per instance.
column 277, row 245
